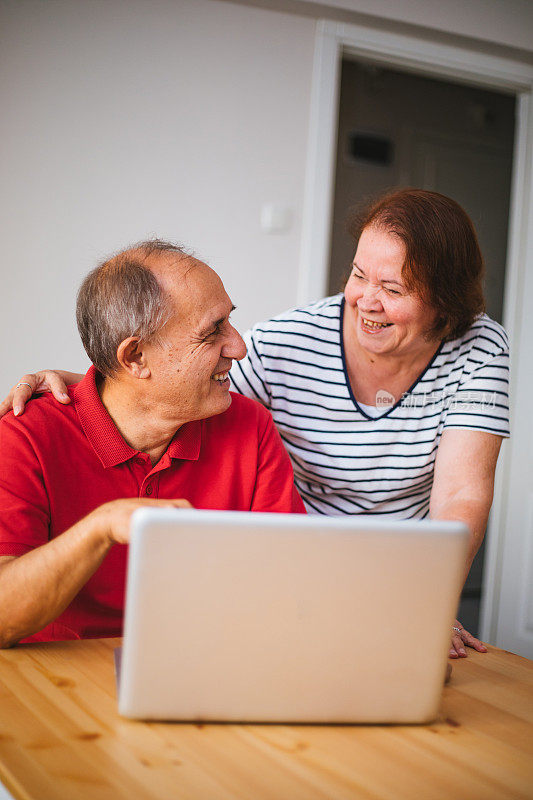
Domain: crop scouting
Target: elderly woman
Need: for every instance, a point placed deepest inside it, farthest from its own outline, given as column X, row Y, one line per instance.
column 392, row 397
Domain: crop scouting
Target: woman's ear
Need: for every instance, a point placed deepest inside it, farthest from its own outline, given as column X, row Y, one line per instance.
column 132, row 358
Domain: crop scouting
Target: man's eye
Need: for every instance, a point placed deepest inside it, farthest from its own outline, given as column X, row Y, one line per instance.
column 359, row 277
column 213, row 333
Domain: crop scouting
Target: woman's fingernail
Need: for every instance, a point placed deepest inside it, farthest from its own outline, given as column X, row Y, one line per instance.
column 462, row 651
column 17, row 410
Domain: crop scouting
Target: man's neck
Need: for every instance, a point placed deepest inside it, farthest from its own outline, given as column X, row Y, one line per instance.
column 138, row 421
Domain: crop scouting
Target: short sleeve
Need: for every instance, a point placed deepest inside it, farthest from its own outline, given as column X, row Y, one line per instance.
column 24, row 505
column 274, row 488
column 481, row 401
column 248, row 375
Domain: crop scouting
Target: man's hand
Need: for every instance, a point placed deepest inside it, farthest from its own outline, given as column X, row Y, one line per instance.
column 461, row 639
column 113, row 519
column 45, row 381
column 35, row 588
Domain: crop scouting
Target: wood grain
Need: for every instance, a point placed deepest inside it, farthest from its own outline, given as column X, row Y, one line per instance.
column 61, row 738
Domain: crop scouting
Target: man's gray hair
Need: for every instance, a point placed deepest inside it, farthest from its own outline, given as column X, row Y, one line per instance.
column 122, row 298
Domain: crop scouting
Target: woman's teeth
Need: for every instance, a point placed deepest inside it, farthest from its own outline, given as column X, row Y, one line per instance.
column 369, row 324
column 220, row 376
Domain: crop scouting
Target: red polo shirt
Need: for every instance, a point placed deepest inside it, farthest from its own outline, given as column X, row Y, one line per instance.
column 58, row 463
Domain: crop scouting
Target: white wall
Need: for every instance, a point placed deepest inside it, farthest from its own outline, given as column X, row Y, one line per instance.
column 504, row 22
column 179, row 118
column 125, row 118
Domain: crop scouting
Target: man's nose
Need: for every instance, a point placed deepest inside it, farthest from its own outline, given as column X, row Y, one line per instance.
column 234, row 346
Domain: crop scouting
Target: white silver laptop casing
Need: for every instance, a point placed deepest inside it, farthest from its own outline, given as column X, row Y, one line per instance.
column 237, row 616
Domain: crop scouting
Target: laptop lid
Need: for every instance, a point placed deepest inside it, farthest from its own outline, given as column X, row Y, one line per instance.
column 237, row 616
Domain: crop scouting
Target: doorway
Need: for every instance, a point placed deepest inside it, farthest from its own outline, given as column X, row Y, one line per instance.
column 507, row 599
column 398, row 129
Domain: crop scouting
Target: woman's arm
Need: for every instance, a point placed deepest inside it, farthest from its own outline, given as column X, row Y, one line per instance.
column 47, row 380
column 463, row 488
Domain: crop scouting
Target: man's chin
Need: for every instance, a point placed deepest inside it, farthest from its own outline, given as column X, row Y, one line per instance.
column 222, row 404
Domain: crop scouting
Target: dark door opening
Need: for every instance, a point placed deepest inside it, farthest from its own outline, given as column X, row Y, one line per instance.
column 400, row 129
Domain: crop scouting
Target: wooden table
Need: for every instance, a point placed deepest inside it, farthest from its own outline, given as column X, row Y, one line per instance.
column 61, row 738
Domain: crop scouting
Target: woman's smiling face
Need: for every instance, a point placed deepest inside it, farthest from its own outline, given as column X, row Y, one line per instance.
column 384, row 315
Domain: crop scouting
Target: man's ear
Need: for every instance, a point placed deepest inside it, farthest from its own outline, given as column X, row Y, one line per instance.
column 132, row 358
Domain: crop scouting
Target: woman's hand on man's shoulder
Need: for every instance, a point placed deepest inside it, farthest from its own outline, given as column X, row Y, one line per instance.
column 47, row 380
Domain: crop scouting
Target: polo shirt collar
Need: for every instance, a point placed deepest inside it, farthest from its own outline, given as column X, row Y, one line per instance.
column 105, row 438
column 187, row 441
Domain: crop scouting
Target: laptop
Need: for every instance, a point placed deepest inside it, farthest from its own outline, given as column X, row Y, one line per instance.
column 287, row 618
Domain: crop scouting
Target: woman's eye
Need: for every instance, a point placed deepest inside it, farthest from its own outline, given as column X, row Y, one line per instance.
column 392, row 291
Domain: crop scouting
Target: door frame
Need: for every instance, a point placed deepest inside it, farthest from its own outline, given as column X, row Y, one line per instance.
column 461, row 64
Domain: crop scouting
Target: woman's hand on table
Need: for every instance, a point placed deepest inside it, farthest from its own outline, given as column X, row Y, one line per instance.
column 461, row 639
column 47, row 380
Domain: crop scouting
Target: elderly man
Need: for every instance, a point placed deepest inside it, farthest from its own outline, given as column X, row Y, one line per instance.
column 153, row 422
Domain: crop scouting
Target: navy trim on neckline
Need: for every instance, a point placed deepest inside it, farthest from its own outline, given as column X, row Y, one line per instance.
column 347, row 379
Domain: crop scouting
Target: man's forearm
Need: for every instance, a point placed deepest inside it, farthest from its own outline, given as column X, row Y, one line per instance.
column 36, row 587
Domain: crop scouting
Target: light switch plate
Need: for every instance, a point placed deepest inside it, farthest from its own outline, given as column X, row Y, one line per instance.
column 275, row 218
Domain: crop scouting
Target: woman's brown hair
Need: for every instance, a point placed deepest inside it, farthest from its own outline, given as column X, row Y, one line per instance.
column 443, row 262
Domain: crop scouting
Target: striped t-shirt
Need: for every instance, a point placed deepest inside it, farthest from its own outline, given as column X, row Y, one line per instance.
column 345, row 461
